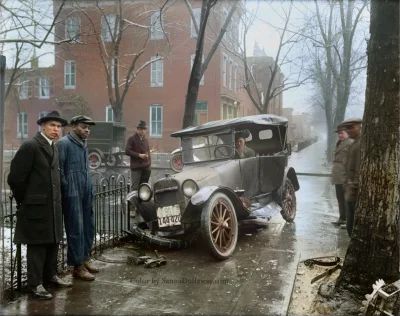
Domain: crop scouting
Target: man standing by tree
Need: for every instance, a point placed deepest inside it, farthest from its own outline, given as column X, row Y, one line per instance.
column 34, row 180
column 77, row 197
column 350, row 186
column 137, row 147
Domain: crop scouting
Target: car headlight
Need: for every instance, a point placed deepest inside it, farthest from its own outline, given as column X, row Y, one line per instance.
column 189, row 188
column 145, row 192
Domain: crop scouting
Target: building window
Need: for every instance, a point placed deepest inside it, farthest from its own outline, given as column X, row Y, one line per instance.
column 235, row 78
column 197, row 15
column 22, row 125
column 24, row 91
column 155, row 120
column 108, row 27
column 109, row 114
column 69, row 74
column 230, row 73
column 201, row 113
column 73, row 28
column 191, row 66
column 229, row 111
column 156, row 22
column 112, row 72
column 224, row 61
column 42, row 114
column 44, row 88
column 157, row 72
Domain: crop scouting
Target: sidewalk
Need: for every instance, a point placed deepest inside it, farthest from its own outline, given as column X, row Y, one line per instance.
column 257, row 280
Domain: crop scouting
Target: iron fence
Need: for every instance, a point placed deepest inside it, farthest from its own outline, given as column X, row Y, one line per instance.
column 111, row 218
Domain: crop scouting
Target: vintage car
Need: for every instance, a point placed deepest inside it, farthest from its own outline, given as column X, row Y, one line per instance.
column 216, row 192
column 106, row 144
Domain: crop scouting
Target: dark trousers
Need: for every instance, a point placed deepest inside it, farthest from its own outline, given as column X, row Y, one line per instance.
column 342, row 203
column 139, row 176
column 41, row 263
column 350, row 210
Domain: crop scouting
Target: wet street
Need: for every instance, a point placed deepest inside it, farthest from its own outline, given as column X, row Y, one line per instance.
column 257, row 280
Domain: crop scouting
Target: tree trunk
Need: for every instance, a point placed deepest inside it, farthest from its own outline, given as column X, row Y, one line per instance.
column 118, row 112
column 330, row 141
column 373, row 252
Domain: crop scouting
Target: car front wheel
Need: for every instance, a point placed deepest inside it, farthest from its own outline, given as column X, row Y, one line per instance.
column 288, row 202
column 219, row 227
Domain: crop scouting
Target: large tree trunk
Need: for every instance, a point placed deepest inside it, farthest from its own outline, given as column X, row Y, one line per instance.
column 373, row 252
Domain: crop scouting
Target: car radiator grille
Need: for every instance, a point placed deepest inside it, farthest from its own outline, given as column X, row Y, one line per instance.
column 166, row 192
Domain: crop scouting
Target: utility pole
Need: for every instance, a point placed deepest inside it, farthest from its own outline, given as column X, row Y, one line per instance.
column 2, row 106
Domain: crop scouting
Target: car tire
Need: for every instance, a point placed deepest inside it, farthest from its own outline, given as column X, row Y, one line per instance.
column 94, row 160
column 219, row 234
column 176, row 162
column 111, row 161
column 288, row 202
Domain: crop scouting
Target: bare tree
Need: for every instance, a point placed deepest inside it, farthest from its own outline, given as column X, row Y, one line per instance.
column 199, row 67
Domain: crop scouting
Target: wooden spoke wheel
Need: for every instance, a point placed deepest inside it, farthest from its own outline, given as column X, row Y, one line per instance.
column 219, row 226
column 94, row 160
column 176, row 162
column 288, row 202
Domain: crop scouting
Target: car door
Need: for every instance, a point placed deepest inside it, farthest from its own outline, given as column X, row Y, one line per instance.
column 249, row 171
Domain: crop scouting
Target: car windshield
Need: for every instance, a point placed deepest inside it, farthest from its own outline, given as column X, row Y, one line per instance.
column 213, row 146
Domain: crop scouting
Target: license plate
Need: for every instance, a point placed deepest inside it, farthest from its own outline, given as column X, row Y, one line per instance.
column 169, row 216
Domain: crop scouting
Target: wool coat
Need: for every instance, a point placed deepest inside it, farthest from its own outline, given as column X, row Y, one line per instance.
column 136, row 145
column 338, row 174
column 34, row 180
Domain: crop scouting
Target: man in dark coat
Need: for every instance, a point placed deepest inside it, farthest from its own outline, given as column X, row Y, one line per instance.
column 352, row 172
column 77, row 197
column 34, row 180
column 137, row 147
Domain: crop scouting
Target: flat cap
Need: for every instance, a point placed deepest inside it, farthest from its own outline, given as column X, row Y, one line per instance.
column 82, row 119
column 341, row 127
column 351, row 121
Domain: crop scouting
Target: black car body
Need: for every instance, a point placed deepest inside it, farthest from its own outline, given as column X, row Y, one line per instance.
column 216, row 192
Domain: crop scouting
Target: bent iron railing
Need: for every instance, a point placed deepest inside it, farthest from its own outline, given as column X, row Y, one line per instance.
column 111, row 218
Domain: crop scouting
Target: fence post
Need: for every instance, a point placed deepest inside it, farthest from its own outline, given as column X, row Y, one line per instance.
column 128, row 219
column 19, row 268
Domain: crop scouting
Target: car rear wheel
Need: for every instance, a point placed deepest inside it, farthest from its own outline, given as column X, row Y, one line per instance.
column 219, row 227
column 94, row 160
column 288, row 202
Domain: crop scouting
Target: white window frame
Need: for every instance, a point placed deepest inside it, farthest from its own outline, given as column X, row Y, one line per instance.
column 109, row 111
column 69, row 74
column 191, row 67
column 156, row 26
column 158, row 120
column 230, row 73
column 41, row 89
column 107, row 29
column 235, row 78
column 157, row 72
column 23, row 88
column 197, row 16
column 73, row 22
column 224, row 68
column 42, row 114
column 24, row 116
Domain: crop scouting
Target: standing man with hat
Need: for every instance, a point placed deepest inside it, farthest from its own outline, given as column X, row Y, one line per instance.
column 338, row 175
column 34, row 180
column 77, row 197
column 137, row 147
column 353, row 128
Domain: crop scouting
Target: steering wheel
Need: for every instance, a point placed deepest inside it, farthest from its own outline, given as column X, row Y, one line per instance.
column 224, row 151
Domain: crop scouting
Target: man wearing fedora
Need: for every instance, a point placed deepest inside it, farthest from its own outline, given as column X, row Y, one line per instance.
column 34, row 180
column 352, row 171
column 77, row 197
column 338, row 170
column 137, row 147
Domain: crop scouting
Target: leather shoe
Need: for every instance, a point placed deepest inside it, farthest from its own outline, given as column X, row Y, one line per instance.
column 40, row 292
column 339, row 222
column 80, row 272
column 59, row 282
column 91, row 268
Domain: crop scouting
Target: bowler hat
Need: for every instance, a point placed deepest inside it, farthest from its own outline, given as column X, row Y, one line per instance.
column 341, row 127
column 82, row 119
column 142, row 125
column 351, row 122
column 52, row 116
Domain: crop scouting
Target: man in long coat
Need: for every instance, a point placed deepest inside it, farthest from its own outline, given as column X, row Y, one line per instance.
column 34, row 180
column 338, row 175
column 77, row 197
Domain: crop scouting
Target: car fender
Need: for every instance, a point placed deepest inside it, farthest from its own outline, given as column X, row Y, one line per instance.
column 290, row 174
column 204, row 194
